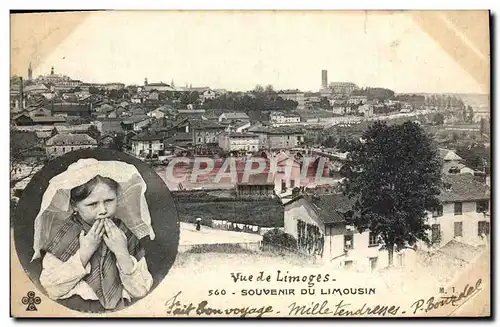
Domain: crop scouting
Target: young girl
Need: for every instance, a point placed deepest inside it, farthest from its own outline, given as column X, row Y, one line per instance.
column 92, row 254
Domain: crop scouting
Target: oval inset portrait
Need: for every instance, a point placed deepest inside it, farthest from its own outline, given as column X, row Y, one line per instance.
column 96, row 230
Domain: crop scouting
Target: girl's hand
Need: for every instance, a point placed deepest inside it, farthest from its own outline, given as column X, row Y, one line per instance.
column 115, row 238
column 90, row 242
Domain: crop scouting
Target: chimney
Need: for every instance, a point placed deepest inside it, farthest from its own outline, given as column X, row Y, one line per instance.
column 21, row 93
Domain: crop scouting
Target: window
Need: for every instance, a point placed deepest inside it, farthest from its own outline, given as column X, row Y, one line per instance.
column 458, row 229
column 438, row 212
column 483, row 227
column 373, row 263
column 482, row 206
column 373, row 239
column 348, row 242
column 150, row 145
column 348, row 264
column 436, row 233
column 458, row 208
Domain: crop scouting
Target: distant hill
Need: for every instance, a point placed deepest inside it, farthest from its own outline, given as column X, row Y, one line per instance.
column 479, row 102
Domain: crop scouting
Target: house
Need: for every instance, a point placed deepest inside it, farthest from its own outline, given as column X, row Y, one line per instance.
column 342, row 87
column 237, row 126
column 124, row 104
column 178, row 140
column 158, row 113
column 366, row 110
column 239, row 142
column 136, row 123
column 357, row 99
column 70, row 97
column 36, row 89
column 38, row 116
column 233, row 116
column 105, row 109
column 452, row 163
column 71, row 109
column 66, row 142
column 147, row 144
column 285, row 137
column 191, row 114
column 114, row 86
column 206, row 131
column 208, row 95
column 199, row 89
column 464, row 214
column 320, row 224
column 153, row 95
column 137, row 98
column 293, row 95
column 221, row 91
column 280, row 118
column 339, row 109
column 160, row 87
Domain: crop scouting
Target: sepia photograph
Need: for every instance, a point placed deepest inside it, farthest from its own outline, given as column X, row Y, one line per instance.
column 89, row 238
column 250, row 164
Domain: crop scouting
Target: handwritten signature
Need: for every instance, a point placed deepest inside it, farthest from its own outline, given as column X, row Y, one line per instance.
column 431, row 303
column 175, row 307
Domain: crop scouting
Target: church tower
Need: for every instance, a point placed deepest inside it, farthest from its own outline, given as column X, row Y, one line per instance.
column 30, row 73
column 52, row 71
column 146, row 81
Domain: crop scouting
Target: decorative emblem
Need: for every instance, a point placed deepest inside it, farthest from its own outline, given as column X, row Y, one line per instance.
column 31, row 301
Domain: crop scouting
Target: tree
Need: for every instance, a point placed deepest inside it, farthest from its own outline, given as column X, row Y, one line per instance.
column 482, row 126
column 475, row 156
column 278, row 238
column 258, row 89
column 93, row 132
column 324, row 103
column 438, row 119
column 470, row 114
column 27, row 156
column 269, row 89
column 393, row 177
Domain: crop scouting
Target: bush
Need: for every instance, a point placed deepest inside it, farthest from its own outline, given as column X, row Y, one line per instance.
column 276, row 237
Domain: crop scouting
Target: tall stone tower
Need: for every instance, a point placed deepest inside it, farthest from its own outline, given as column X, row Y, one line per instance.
column 324, row 79
column 146, row 81
column 52, row 71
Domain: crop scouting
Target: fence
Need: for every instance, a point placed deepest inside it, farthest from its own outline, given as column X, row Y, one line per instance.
column 220, row 247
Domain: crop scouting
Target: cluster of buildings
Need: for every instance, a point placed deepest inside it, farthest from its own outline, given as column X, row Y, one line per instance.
column 67, row 115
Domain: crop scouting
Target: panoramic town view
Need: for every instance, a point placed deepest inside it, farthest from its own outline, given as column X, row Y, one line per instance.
column 297, row 208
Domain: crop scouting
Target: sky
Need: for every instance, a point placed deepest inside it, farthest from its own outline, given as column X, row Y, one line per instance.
column 239, row 50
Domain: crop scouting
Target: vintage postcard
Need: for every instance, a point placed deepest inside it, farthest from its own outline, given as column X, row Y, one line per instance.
column 257, row 164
